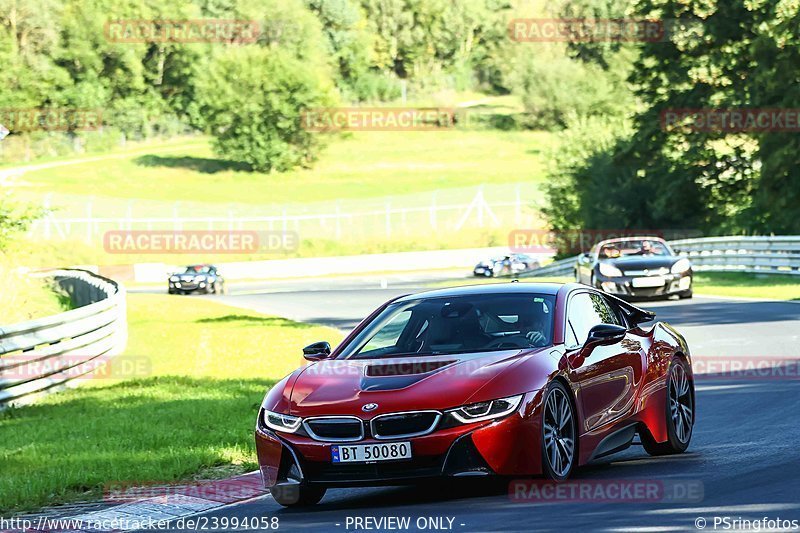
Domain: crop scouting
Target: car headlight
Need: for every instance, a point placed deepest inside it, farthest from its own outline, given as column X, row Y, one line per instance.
column 174, row 278
column 681, row 266
column 478, row 412
column 281, row 422
column 610, row 271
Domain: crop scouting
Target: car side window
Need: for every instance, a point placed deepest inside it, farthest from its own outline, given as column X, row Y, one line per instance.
column 617, row 316
column 583, row 313
column 389, row 335
column 570, row 341
column 604, row 309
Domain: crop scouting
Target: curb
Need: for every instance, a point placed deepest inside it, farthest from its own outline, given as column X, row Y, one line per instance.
column 144, row 506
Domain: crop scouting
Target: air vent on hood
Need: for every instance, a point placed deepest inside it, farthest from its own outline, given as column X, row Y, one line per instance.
column 406, row 368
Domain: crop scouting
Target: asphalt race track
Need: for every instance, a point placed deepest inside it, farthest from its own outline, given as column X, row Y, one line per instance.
column 744, row 460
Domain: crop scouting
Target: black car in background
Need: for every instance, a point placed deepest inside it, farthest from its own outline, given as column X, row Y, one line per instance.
column 636, row 267
column 197, row 278
column 505, row 265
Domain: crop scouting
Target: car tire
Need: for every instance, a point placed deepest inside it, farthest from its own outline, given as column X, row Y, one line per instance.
column 488, row 273
column 298, row 495
column 557, row 406
column 680, row 389
column 685, row 295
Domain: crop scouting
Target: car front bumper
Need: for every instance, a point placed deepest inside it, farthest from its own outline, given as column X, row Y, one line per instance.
column 179, row 286
column 646, row 286
column 510, row 446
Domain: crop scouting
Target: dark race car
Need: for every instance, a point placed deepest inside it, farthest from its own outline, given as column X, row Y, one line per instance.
column 635, row 267
column 476, row 381
column 505, row 265
column 197, row 278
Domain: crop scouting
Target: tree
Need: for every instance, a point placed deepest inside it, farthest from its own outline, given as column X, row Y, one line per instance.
column 714, row 180
column 254, row 99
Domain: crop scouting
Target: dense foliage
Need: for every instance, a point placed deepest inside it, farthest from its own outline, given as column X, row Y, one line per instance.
column 617, row 166
column 643, row 174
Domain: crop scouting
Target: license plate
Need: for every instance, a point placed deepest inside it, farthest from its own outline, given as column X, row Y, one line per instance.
column 368, row 453
column 654, row 281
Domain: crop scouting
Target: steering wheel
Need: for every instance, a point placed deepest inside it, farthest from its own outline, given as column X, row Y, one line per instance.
column 512, row 341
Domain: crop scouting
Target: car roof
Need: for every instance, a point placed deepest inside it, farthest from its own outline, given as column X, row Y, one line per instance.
column 491, row 288
column 633, row 238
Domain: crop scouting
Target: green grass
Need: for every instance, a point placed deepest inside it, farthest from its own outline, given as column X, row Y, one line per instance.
column 774, row 287
column 356, row 166
column 57, row 254
column 25, row 298
column 190, row 416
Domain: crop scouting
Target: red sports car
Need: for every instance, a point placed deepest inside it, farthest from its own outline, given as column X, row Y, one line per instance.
column 518, row 379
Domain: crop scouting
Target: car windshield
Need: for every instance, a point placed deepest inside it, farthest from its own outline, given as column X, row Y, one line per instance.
column 198, row 269
column 633, row 247
column 459, row 324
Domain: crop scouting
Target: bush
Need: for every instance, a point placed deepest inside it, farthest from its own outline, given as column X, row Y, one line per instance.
column 254, row 99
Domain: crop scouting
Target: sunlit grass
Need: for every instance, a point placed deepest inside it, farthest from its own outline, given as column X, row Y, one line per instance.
column 354, row 166
column 187, row 409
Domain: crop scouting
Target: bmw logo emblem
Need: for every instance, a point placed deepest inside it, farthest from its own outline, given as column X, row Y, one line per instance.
column 369, row 407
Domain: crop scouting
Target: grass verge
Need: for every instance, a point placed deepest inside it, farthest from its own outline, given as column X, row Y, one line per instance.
column 770, row 286
column 190, row 413
column 25, row 298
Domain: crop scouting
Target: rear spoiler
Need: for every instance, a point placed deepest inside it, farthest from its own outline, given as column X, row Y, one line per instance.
column 636, row 315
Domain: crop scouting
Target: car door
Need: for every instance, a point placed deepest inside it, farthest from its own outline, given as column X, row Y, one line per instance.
column 607, row 375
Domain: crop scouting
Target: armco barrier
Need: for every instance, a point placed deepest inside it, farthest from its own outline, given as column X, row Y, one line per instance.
column 57, row 344
column 761, row 255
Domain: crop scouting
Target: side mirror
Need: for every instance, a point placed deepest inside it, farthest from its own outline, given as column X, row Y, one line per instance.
column 317, row 351
column 605, row 334
column 585, row 257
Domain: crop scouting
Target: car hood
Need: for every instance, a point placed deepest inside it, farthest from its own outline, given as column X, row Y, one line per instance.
column 398, row 384
column 642, row 262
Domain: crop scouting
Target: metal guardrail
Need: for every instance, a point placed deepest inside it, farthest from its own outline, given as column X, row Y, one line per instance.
column 761, row 255
column 39, row 355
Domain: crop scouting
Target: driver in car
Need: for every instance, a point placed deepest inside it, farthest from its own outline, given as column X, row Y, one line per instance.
column 536, row 330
